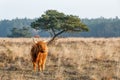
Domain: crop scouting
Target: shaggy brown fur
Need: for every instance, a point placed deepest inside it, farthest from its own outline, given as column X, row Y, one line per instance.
column 39, row 53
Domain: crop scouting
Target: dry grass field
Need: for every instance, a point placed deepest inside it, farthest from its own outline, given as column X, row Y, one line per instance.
column 68, row 59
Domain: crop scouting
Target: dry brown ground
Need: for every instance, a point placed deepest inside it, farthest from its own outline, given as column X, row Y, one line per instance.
column 68, row 59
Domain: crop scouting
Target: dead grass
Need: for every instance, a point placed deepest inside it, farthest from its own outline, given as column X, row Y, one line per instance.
column 68, row 59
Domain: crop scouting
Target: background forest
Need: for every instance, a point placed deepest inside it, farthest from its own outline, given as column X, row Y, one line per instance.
column 98, row 27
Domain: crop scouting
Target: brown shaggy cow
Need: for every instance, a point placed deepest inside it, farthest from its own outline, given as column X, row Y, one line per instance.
column 39, row 52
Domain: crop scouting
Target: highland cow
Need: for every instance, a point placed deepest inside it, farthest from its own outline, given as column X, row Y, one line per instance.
column 39, row 52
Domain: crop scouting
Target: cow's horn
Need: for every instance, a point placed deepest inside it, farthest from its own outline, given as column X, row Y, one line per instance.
column 34, row 40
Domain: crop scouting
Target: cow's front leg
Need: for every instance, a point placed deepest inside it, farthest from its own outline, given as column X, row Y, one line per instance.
column 39, row 66
column 43, row 61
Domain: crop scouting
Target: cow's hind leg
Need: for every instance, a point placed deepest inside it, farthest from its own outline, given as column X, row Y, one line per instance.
column 34, row 66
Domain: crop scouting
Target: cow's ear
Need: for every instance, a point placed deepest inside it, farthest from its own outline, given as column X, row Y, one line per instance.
column 45, row 41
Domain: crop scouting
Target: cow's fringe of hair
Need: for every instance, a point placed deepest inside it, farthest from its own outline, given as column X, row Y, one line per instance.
column 34, row 51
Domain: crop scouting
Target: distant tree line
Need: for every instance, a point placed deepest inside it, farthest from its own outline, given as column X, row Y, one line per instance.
column 98, row 27
column 15, row 27
column 102, row 27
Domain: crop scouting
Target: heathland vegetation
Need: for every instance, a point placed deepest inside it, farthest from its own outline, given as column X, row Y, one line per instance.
column 68, row 59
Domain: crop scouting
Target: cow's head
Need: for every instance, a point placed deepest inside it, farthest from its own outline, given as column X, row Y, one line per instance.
column 42, row 46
